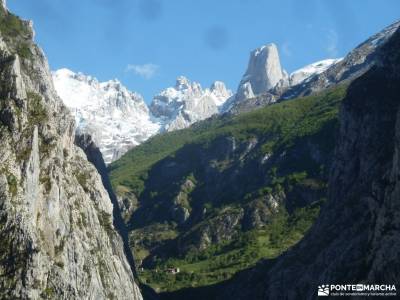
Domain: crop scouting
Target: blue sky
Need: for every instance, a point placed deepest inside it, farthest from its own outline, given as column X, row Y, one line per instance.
column 148, row 43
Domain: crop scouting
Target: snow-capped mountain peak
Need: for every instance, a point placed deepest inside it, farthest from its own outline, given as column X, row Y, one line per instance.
column 187, row 102
column 117, row 118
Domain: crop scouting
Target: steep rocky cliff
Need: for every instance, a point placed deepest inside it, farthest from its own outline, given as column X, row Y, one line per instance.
column 356, row 238
column 57, row 235
column 263, row 73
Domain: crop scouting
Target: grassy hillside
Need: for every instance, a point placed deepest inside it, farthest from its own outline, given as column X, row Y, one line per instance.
column 216, row 198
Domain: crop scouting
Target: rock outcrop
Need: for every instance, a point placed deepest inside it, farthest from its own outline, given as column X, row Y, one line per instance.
column 57, row 235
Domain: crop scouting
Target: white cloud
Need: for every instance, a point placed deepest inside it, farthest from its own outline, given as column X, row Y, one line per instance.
column 332, row 44
column 146, row 71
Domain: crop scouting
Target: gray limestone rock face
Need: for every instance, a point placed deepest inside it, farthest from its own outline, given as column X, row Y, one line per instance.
column 264, row 70
column 245, row 91
column 57, row 235
column 219, row 88
column 263, row 73
column 264, row 77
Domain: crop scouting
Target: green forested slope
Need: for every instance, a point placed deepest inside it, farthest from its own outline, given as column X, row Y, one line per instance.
column 219, row 196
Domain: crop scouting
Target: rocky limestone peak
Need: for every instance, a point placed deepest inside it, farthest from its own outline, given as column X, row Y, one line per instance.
column 4, row 4
column 115, row 84
column 219, row 88
column 191, row 88
column 264, row 70
column 264, row 75
column 180, row 106
column 220, row 92
column 89, row 84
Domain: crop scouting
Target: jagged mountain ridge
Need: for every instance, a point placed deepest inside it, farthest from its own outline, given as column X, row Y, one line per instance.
column 118, row 119
column 57, row 235
column 186, row 103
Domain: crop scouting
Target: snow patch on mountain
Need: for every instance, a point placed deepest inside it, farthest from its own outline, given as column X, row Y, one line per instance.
column 308, row 71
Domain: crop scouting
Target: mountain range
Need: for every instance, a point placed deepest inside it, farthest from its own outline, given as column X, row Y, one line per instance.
column 118, row 119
